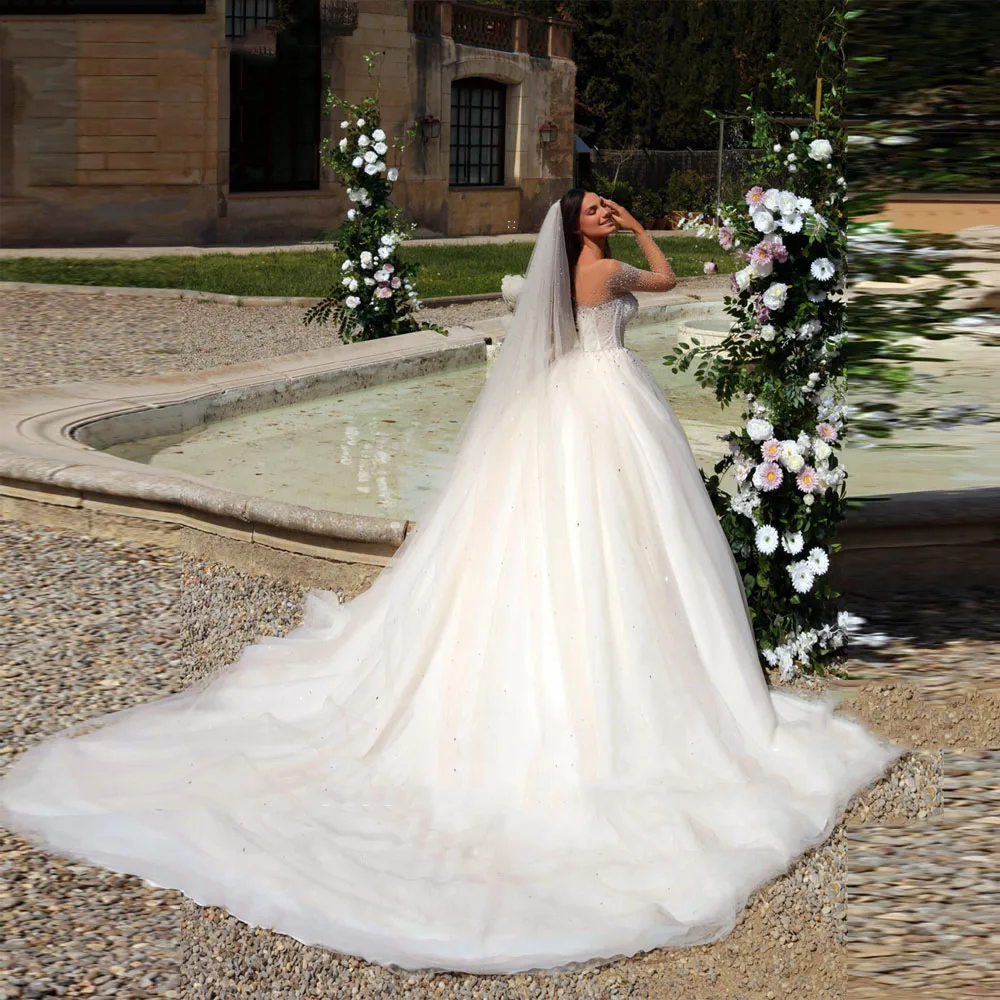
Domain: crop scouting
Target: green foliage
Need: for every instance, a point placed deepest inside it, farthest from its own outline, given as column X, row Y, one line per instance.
column 649, row 205
column 375, row 296
column 686, row 191
column 619, row 191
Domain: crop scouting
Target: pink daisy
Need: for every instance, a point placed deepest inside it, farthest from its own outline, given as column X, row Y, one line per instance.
column 806, row 479
column 826, row 432
column 771, row 449
column 725, row 238
column 769, row 476
column 755, row 196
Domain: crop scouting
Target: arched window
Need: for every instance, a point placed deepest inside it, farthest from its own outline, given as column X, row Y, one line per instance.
column 478, row 120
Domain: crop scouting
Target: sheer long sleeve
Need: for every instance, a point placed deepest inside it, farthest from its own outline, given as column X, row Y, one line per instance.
column 627, row 278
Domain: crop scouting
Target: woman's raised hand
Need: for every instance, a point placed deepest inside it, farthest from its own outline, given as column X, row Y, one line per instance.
column 623, row 218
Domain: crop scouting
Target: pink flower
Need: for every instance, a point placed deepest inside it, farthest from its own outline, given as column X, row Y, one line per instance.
column 725, row 238
column 396, row 283
column 754, row 197
column 826, row 432
column 778, row 251
column 806, row 479
column 771, row 449
column 710, row 267
column 734, row 288
column 769, row 476
column 759, row 253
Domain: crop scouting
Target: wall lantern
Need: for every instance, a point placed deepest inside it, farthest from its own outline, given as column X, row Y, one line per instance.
column 430, row 127
column 548, row 132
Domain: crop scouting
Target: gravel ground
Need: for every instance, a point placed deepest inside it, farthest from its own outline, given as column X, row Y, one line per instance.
column 92, row 625
column 134, row 335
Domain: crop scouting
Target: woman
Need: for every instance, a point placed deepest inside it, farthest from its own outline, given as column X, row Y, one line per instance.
column 541, row 737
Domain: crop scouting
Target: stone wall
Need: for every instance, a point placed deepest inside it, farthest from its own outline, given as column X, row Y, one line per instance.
column 112, row 131
column 115, row 130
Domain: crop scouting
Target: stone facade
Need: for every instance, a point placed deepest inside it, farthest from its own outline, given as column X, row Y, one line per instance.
column 115, row 128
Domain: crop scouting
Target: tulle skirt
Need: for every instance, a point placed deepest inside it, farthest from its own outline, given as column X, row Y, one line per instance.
column 541, row 738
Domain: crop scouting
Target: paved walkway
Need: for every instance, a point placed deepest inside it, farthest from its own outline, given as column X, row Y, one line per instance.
column 138, row 253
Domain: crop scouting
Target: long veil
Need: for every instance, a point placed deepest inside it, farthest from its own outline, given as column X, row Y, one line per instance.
column 542, row 329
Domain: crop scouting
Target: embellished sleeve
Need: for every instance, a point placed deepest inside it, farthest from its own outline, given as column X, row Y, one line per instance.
column 633, row 279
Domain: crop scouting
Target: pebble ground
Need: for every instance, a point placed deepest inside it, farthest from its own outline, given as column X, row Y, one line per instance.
column 89, row 625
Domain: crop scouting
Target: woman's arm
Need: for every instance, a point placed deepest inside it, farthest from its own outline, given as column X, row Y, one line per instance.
column 660, row 277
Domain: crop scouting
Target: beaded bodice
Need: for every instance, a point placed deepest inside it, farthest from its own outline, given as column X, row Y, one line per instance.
column 602, row 327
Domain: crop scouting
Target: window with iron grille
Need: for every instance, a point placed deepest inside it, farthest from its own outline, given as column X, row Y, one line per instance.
column 478, row 122
column 275, row 102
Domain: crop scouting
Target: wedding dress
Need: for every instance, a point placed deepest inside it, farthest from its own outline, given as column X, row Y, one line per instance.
column 541, row 738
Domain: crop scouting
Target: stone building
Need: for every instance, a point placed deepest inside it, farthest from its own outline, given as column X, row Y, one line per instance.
column 196, row 121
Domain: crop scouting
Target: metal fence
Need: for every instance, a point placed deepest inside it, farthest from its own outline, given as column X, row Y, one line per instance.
column 651, row 169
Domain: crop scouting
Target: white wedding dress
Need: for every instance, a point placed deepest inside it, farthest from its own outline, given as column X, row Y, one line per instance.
column 541, row 738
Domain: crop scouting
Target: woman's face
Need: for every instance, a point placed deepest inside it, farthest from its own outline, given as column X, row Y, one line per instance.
column 595, row 217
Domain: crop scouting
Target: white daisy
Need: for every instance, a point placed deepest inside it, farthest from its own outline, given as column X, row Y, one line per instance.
column 822, row 269
column 792, row 542
column 766, row 539
column 818, row 560
column 802, row 576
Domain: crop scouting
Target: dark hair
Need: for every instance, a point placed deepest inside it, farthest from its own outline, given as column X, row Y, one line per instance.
column 571, row 202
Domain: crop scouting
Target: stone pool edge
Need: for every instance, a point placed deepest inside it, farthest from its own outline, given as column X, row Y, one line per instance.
column 50, row 474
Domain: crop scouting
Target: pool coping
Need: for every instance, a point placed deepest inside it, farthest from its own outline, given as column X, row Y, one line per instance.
column 51, row 437
column 48, row 461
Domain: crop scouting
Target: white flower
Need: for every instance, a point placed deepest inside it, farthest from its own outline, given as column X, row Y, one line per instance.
column 352, row 302
column 791, row 223
column 789, row 448
column 344, row 124
column 771, row 656
column 393, row 174
column 794, row 134
column 348, row 264
column 380, row 166
column 804, row 205
column 343, row 144
column 384, row 252
column 777, row 147
column 802, row 576
column 818, row 560
column 743, row 278
column 370, row 157
column 388, row 239
column 787, row 202
column 381, row 148
column 776, row 295
column 357, row 161
column 363, row 141
column 821, row 450
column 347, row 281
column 841, row 182
column 822, row 269
column 378, row 135
column 351, row 213
column 808, row 500
column 768, row 332
column 791, row 158
column 766, row 539
column 770, row 199
column 366, row 259
column 793, row 463
column 792, row 168
column 792, row 542
column 763, row 221
column 361, row 123
column 369, row 281
column 816, row 296
column 381, row 275
column 820, row 149
column 371, row 169
column 353, row 286
column 760, row 268
column 759, row 430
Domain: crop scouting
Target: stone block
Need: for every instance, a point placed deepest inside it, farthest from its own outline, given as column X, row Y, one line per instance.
column 117, row 50
column 113, row 88
column 117, row 144
column 116, row 127
column 90, row 161
column 119, row 109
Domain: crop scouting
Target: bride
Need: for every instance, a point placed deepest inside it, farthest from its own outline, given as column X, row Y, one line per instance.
column 542, row 737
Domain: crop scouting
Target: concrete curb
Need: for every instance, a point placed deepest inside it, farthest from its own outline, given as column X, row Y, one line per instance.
column 113, row 291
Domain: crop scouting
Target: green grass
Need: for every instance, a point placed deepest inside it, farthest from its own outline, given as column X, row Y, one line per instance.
column 444, row 270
